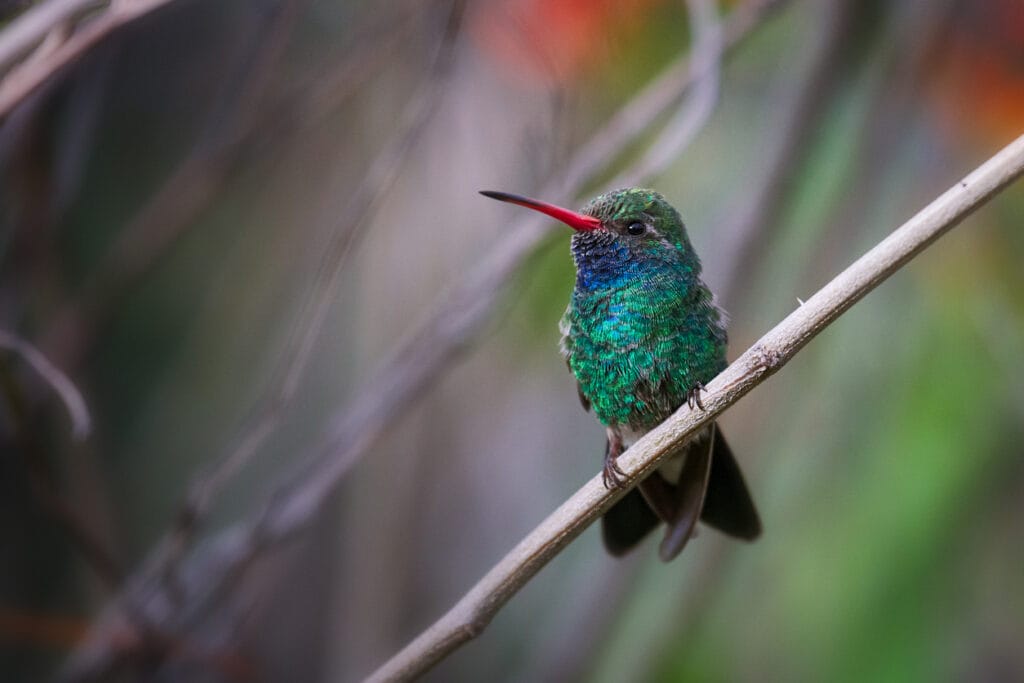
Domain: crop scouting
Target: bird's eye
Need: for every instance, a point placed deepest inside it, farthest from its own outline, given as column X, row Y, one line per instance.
column 636, row 228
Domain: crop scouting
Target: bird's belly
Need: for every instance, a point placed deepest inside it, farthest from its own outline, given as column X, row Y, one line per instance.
column 630, row 436
column 673, row 465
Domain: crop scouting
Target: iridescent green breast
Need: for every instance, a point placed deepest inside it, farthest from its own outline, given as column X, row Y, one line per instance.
column 639, row 336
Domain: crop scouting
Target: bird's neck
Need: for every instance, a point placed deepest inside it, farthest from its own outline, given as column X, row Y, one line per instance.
column 604, row 263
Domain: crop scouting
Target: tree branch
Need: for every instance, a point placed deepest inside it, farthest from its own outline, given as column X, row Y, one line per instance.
column 468, row 618
column 30, row 29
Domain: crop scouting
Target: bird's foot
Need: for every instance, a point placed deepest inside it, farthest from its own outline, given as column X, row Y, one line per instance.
column 612, row 475
column 693, row 396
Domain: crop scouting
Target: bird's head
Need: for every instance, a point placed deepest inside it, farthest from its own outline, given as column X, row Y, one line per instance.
column 621, row 230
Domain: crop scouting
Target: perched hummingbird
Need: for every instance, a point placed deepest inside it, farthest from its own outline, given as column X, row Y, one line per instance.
column 642, row 334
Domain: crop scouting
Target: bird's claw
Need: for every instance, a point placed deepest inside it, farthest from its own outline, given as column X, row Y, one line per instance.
column 693, row 396
column 612, row 475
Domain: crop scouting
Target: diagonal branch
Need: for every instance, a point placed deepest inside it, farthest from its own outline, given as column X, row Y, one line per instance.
column 53, row 19
column 31, row 28
column 468, row 618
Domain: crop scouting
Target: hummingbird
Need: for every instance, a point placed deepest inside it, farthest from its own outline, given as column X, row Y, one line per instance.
column 642, row 334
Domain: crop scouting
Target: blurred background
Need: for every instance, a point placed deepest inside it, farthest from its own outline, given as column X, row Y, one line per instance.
column 249, row 232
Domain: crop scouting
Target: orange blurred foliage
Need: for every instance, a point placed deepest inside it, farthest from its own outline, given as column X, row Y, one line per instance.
column 555, row 41
column 980, row 80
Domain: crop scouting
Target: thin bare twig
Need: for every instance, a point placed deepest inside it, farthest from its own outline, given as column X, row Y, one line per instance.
column 70, row 396
column 653, row 100
column 471, row 615
column 28, row 76
column 30, row 29
column 706, row 73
